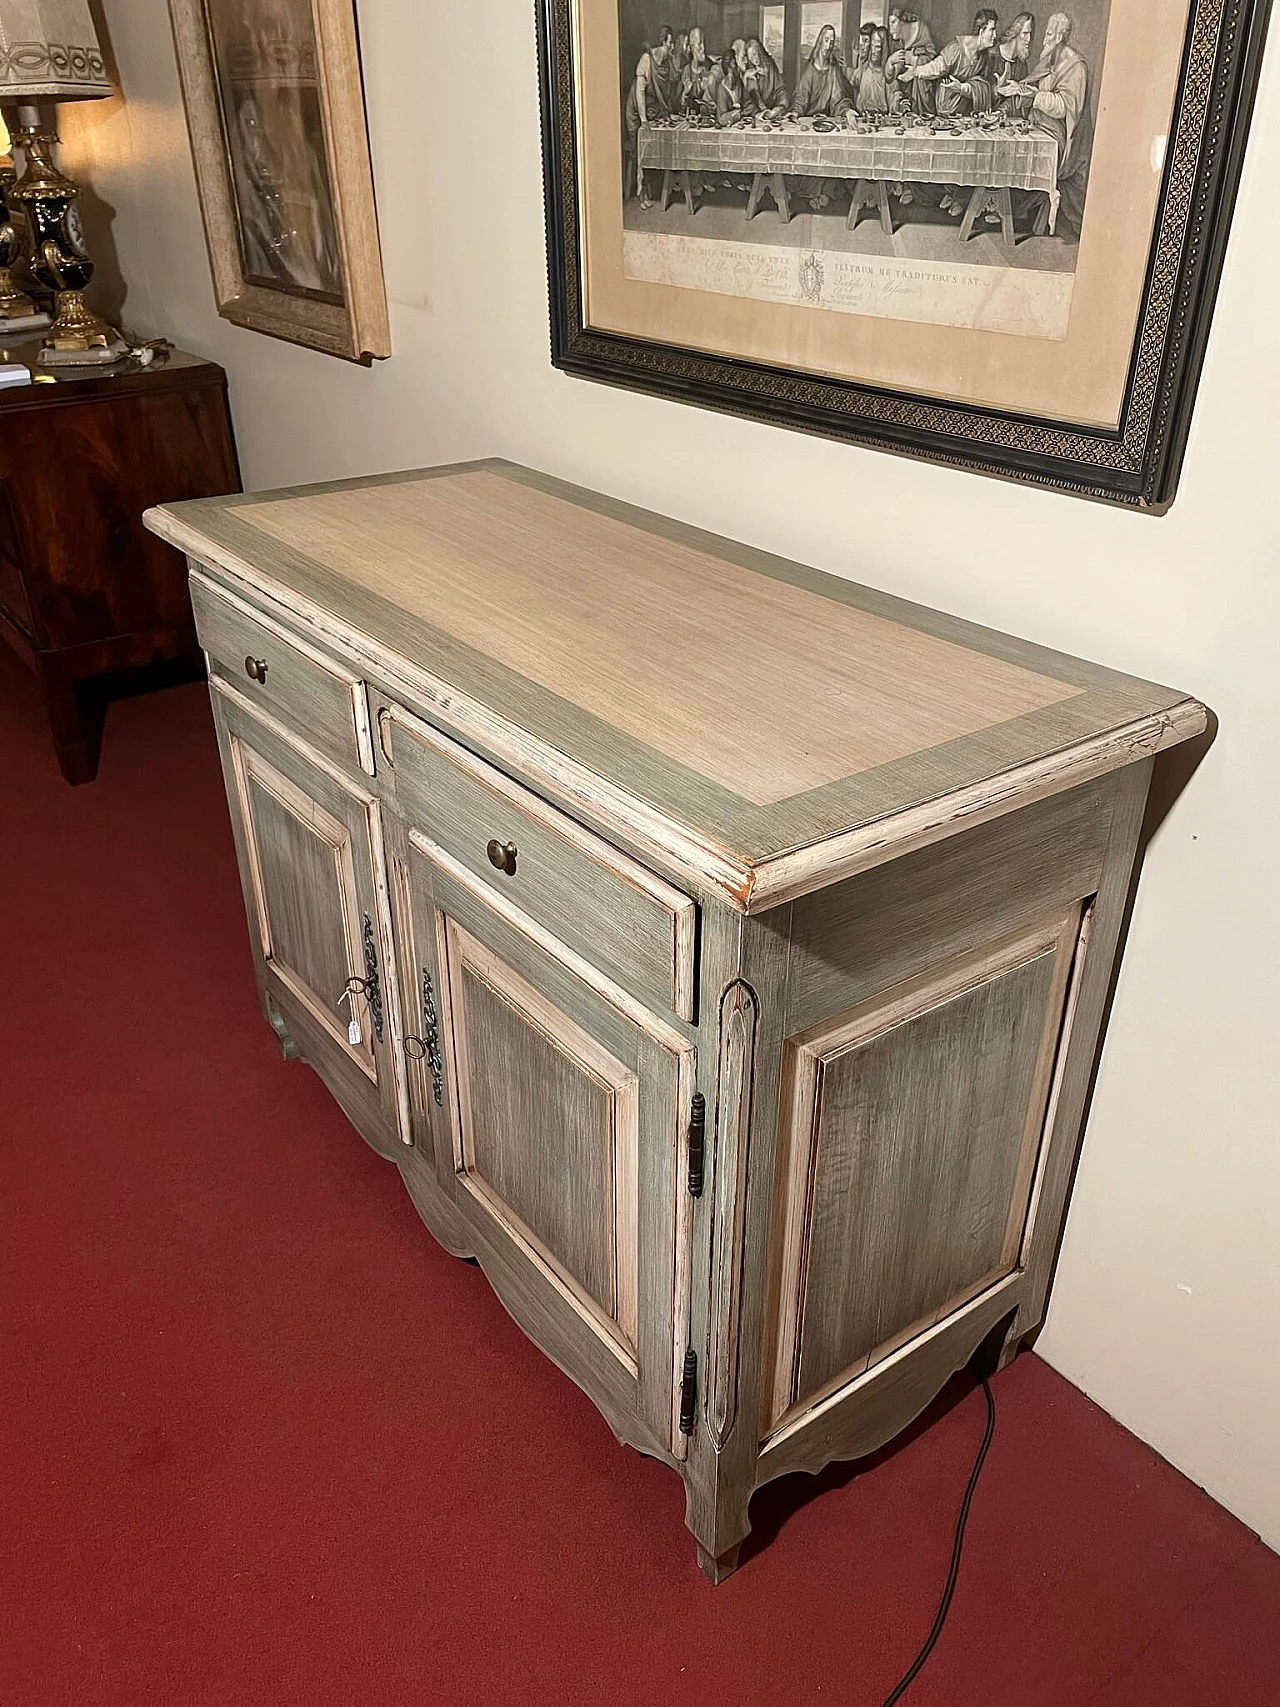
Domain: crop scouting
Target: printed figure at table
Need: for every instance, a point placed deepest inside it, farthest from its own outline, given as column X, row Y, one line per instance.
column 962, row 69
column 1059, row 93
column 823, row 89
column 730, row 92
column 912, row 47
column 1010, row 63
column 647, row 99
column 973, row 154
column 765, row 91
column 872, row 91
column 697, row 87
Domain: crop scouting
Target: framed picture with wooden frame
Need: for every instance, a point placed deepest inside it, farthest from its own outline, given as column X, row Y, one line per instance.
column 939, row 229
column 275, row 111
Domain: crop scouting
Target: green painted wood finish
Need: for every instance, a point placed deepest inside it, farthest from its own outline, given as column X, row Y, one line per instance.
column 1101, row 700
column 314, row 696
column 530, row 1092
column 314, row 897
column 929, row 1216
column 592, row 897
column 543, row 1132
column 919, row 1135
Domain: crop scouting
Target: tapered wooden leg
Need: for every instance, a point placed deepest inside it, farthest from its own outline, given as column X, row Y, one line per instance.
column 686, row 184
column 778, row 184
column 76, row 721
column 717, row 1515
column 666, row 191
column 886, row 217
column 717, row 1569
column 757, row 190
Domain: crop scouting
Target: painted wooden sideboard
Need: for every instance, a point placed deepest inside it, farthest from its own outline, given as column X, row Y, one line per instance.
column 719, row 949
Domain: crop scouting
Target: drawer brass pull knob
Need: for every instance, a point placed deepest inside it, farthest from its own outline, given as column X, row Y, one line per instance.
column 256, row 669
column 502, row 855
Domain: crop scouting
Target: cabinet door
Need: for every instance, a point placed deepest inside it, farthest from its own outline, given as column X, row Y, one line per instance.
column 560, row 1132
column 310, row 849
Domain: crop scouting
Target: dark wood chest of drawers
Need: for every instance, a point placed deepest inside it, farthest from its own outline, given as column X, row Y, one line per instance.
column 88, row 598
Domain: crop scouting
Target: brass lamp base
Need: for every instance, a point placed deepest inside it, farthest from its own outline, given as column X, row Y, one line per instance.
column 79, row 337
column 59, row 260
column 18, row 313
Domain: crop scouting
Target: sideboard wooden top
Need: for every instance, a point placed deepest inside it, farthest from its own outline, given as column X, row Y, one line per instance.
column 762, row 725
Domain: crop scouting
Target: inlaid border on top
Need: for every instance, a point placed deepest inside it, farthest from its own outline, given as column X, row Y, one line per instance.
column 754, row 857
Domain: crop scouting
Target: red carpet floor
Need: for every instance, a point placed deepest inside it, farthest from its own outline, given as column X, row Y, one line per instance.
column 263, row 1442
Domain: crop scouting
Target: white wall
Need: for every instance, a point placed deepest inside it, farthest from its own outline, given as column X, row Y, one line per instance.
column 1167, row 1306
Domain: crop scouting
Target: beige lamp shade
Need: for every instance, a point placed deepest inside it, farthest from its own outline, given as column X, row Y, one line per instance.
column 49, row 51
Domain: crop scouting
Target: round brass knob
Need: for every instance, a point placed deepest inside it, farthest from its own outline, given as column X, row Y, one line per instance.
column 502, row 855
column 256, row 669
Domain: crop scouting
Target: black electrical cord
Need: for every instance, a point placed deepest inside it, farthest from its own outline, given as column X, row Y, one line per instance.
column 945, row 1604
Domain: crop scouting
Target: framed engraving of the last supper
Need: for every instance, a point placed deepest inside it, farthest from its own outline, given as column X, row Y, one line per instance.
column 985, row 236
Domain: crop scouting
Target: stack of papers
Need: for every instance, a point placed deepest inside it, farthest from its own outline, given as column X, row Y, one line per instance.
column 13, row 373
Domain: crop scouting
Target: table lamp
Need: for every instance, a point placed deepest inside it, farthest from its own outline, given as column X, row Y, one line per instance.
column 49, row 52
column 18, row 313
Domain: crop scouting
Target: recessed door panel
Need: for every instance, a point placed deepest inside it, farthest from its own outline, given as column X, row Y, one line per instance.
column 307, row 840
column 309, row 907
column 911, row 1138
column 549, row 1130
column 563, row 1143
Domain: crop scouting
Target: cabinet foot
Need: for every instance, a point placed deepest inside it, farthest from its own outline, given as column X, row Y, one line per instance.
column 288, row 1048
column 1003, row 1343
column 717, row 1569
column 76, row 716
column 1009, row 1350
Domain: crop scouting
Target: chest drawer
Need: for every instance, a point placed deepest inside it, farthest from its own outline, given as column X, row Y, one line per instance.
column 596, row 899
column 315, row 695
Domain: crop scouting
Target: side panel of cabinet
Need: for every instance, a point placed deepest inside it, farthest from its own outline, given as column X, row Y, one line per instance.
column 942, row 1019
column 559, row 1139
column 309, row 843
column 912, row 1125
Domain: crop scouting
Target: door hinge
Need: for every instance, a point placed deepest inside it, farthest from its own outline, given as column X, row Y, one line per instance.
column 689, row 1392
column 697, row 1142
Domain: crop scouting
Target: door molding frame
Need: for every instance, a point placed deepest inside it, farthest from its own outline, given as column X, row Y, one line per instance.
column 619, row 1327
column 807, row 1054
column 250, row 767
column 381, row 911
column 662, row 1033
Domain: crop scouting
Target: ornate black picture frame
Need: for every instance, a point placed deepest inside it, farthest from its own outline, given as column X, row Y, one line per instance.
column 1136, row 462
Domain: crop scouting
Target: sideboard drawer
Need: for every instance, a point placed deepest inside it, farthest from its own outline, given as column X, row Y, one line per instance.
column 319, row 697
column 596, row 899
